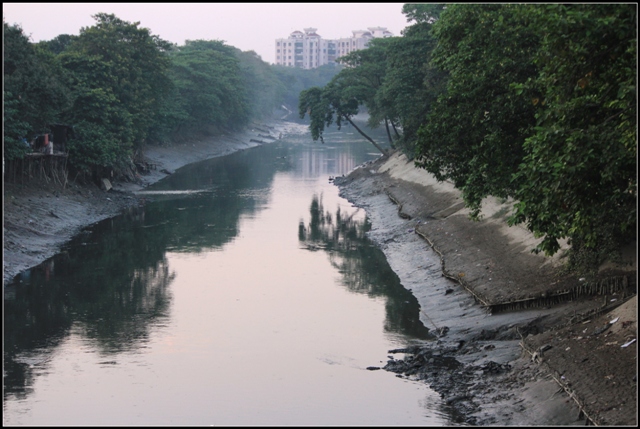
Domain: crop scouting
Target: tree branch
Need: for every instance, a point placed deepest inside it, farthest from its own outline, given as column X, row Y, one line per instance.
column 384, row 152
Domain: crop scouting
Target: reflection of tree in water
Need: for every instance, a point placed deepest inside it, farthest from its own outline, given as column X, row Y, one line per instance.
column 323, row 232
column 121, row 320
column 232, row 186
column 111, row 286
column 111, row 294
column 363, row 266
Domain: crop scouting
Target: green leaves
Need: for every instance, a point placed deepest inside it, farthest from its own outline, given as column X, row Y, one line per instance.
column 210, row 85
column 118, row 73
column 318, row 108
column 473, row 132
column 540, row 105
column 122, row 87
column 34, row 90
column 391, row 79
column 15, row 129
column 586, row 133
column 335, row 103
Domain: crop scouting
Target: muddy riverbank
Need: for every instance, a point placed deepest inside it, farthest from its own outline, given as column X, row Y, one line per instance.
column 39, row 216
column 512, row 349
column 542, row 364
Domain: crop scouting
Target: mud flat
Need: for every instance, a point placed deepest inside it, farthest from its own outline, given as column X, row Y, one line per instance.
column 517, row 341
column 39, row 216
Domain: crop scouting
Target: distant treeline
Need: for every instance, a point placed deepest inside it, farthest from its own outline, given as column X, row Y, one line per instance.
column 535, row 102
column 121, row 87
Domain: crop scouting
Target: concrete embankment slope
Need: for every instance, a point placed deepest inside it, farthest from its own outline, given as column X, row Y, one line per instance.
column 557, row 323
column 492, row 260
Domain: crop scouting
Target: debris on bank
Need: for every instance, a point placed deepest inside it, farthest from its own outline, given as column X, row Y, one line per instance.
column 567, row 340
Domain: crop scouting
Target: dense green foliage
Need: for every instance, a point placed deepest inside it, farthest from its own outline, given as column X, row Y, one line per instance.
column 524, row 101
column 531, row 102
column 363, row 77
column 578, row 178
column 354, row 86
column 34, row 91
column 121, row 88
column 391, row 80
column 118, row 77
column 540, row 106
column 411, row 84
column 261, row 84
column 209, row 85
column 472, row 135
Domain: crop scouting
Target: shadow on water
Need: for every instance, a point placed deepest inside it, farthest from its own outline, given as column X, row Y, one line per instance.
column 363, row 266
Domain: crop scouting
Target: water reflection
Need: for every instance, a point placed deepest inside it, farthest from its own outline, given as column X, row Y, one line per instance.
column 363, row 266
column 121, row 287
column 110, row 285
column 112, row 306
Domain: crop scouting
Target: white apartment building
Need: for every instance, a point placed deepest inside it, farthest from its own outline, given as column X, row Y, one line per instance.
column 309, row 50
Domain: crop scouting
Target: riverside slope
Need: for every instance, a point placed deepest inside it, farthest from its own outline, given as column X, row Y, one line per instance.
column 482, row 367
column 511, row 348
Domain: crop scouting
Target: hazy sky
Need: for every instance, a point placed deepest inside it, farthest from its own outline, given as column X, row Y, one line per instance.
column 247, row 26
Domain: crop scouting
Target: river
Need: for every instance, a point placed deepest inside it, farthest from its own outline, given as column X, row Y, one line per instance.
column 244, row 291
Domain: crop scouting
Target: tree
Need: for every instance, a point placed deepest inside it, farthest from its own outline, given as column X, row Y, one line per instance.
column 118, row 72
column 540, row 105
column 58, row 44
column 260, row 82
column 474, row 132
column 34, row 91
column 336, row 103
column 210, row 85
column 411, row 85
column 578, row 177
column 294, row 80
column 364, row 75
column 423, row 12
column 15, row 129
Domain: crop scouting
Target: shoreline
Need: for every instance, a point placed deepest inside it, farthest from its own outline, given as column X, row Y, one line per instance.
column 482, row 366
column 39, row 218
column 485, row 364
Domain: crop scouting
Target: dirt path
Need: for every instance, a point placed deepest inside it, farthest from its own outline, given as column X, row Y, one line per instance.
column 510, row 349
column 40, row 217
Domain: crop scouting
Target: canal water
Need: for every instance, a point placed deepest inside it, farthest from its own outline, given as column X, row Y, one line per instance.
column 244, row 291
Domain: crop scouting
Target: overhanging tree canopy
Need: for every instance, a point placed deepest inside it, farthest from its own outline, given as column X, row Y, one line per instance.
column 336, row 103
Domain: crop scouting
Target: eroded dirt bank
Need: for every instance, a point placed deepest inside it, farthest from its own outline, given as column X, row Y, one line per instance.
column 39, row 217
column 518, row 342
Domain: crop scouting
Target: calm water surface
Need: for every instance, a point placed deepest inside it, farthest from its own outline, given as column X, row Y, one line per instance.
column 244, row 292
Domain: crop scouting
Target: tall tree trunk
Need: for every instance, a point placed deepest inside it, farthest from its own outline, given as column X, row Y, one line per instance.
column 384, row 152
column 386, row 125
column 394, row 129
